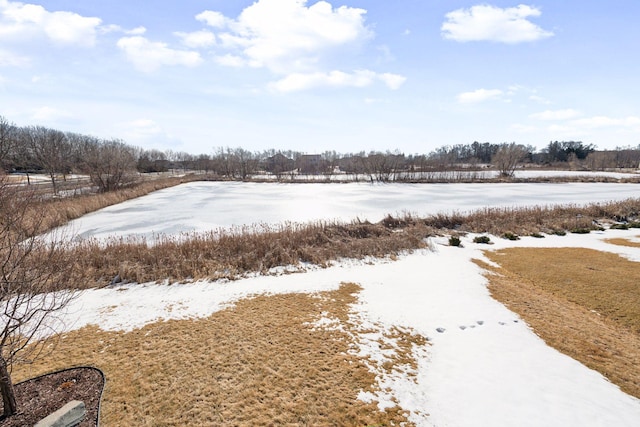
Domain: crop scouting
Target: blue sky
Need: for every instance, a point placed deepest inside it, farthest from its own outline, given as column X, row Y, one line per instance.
column 346, row 75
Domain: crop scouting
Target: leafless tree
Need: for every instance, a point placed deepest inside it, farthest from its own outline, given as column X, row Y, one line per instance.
column 34, row 273
column 109, row 164
column 7, row 142
column 507, row 158
column 51, row 150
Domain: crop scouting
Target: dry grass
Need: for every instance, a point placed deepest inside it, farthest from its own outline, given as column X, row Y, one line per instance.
column 623, row 242
column 224, row 254
column 231, row 254
column 260, row 362
column 537, row 219
column 580, row 301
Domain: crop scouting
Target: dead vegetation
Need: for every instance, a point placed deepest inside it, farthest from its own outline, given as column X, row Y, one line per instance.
column 261, row 362
column 231, row 254
column 580, row 301
column 624, row 242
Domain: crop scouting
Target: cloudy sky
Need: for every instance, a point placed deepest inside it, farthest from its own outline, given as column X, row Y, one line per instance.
column 344, row 75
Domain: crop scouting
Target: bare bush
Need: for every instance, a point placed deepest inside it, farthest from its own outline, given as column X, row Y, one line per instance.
column 34, row 276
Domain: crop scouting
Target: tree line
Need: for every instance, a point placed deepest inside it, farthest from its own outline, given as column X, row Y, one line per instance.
column 112, row 163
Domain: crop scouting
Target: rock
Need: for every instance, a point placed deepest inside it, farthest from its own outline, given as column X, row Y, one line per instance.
column 69, row 415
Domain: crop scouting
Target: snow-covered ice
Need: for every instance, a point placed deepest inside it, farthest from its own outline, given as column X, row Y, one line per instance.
column 202, row 206
column 483, row 365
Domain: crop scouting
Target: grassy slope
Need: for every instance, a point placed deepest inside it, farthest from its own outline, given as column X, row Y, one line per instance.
column 580, row 301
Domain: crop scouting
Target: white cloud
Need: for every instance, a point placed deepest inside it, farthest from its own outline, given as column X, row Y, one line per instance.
column 479, row 95
column 148, row 56
column 539, row 99
column 197, row 39
column 337, row 79
column 556, row 114
column 287, row 36
column 231, row 60
column 19, row 21
column 112, row 28
column 213, row 19
column 393, row 81
column 490, row 23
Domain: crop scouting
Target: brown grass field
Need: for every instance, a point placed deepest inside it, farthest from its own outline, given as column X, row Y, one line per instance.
column 583, row 302
column 260, row 362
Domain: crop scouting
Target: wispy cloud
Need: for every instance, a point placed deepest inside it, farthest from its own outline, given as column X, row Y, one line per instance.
column 197, row 39
column 491, row 23
column 148, row 56
column 361, row 78
column 479, row 95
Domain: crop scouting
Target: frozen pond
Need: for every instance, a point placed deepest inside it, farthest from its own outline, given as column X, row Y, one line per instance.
column 202, row 206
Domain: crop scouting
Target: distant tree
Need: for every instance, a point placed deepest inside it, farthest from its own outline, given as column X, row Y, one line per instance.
column 7, row 142
column 559, row 151
column 152, row 161
column 507, row 158
column 34, row 274
column 51, row 151
column 109, row 164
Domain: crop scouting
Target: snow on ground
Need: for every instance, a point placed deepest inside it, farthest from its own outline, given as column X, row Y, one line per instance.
column 202, row 206
column 483, row 367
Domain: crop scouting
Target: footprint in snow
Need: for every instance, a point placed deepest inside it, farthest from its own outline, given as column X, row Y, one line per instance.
column 441, row 330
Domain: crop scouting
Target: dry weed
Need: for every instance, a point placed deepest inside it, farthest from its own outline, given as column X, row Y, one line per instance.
column 580, row 301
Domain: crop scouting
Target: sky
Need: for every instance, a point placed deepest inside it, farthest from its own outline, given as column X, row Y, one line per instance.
column 347, row 75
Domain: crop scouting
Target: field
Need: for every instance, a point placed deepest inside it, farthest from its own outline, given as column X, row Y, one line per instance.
column 418, row 335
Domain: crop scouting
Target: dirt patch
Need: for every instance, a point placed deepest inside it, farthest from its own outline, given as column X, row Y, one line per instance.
column 41, row 396
column 580, row 301
column 262, row 362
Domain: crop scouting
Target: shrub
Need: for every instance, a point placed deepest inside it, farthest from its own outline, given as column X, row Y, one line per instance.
column 455, row 241
column 559, row 232
column 634, row 224
column 537, row 235
column 482, row 239
column 619, row 227
column 581, row 230
column 510, row 236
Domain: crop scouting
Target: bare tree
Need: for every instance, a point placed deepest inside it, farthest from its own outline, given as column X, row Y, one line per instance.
column 34, row 274
column 51, row 150
column 109, row 164
column 507, row 158
column 7, row 142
